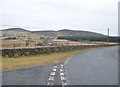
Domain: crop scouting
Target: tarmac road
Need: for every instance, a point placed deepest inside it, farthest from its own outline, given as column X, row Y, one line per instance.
column 94, row 67
column 89, row 67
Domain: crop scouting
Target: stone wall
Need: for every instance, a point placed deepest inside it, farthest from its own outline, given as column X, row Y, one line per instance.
column 46, row 50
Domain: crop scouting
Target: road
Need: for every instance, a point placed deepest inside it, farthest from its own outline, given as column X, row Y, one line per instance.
column 89, row 67
column 96, row 67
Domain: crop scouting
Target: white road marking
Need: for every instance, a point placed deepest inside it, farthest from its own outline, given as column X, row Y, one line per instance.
column 51, row 78
column 52, row 73
column 64, row 83
column 62, row 74
column 55, row 66
column 61, row 65
column 54, row 69
column 63, row 78
column 61, row 70
column 49, row 84
column 68, row 60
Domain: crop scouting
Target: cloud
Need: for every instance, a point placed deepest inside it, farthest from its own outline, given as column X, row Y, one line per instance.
column 56, row 14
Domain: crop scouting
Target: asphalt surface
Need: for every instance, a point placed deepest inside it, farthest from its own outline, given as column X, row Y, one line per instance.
column 95, row 67
column 89, row 67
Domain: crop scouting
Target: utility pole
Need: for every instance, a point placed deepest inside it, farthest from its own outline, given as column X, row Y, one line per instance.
column 108, row 36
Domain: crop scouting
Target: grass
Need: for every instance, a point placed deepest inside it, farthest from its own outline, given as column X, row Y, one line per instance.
column 13, row 63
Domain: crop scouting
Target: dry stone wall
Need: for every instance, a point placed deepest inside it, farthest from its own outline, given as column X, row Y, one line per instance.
column 46, row 50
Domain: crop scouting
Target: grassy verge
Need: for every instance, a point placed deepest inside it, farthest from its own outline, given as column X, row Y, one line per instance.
column 13, row 63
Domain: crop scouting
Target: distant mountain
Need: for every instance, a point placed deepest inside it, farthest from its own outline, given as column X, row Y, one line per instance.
column 67, row 32
column 52, row 33
column 20, row 34
column 13, row 31
column 16, row 30
column 46, row 33
column 74, row 35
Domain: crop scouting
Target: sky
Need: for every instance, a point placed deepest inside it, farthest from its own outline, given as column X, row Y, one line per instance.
column 88, row 15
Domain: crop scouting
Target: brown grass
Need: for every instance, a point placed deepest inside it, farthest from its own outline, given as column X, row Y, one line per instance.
column 13, row 63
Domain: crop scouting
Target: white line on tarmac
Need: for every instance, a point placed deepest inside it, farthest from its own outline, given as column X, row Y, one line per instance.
column 62, row 74
column 63, row 78
column 51, row 78
column 52, row 73
column 61, row 65
column 61, row 70
column 67, row 60
column 54, row 69
column 64, row 83
column 49, row 84
column 55, row 66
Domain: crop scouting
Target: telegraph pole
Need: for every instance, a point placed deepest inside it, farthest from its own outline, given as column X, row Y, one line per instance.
column 108, row 36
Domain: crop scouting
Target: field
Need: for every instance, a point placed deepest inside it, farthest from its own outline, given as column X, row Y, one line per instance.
column 11, row 44
column 6, row 44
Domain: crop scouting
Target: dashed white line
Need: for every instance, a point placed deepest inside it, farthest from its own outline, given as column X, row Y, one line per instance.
column 61, row 70
column 63, row 78
column 52, row 73
column 64, row 83
column 51, row 78
column 55, row 66
column 54, row 69
column 62, row 74
column 61, row 65
column 49, row 84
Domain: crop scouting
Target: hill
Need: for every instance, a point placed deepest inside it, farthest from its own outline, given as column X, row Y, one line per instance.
column 52, row 33
column 15, row 30
column 66, row 32
column 19, row 34
column 74, row 35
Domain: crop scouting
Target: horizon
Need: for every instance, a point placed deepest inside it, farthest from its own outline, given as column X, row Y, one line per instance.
column 57, row 30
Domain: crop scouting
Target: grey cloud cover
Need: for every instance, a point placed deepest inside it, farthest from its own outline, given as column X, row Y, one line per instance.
column 91, row 15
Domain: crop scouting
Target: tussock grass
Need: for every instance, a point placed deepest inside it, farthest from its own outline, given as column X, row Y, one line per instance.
column 13, row 63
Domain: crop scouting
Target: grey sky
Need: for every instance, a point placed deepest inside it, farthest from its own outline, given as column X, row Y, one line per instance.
column 90, row 15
